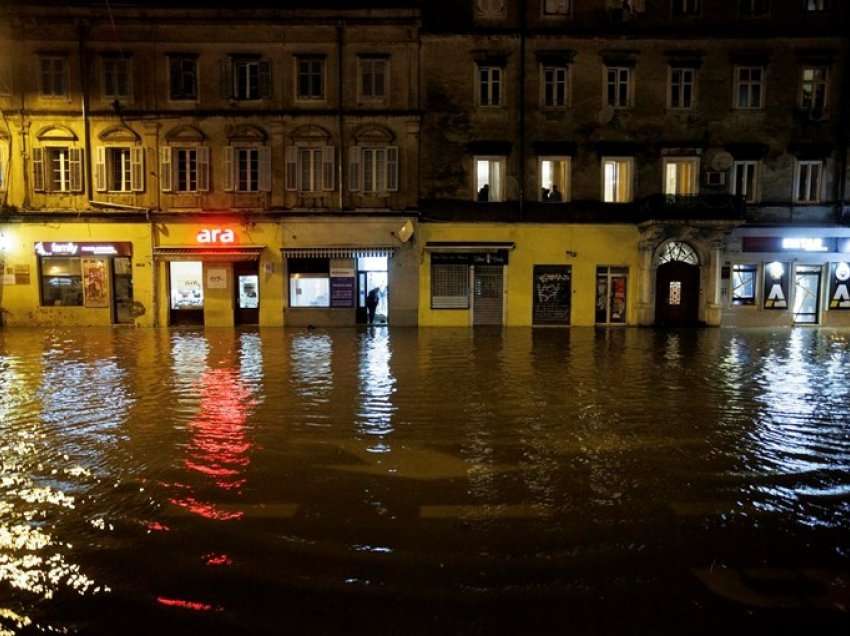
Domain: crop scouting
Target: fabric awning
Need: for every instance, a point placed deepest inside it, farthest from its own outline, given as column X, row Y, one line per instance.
column 231, row 253
column 469, row 246
column 338, row 252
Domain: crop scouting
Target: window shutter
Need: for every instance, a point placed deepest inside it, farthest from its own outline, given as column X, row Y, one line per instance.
column 4, row 165
column 75, row 163
column 292, row 168
column 165, row 171
column 100, row 170
column 265, row 79
column 392, row 169
column 265, row 160
column 227, row 91
column 203, row 168
column 38, row 169
column 229, row 169
column 354, row 168
column 328, row 168
column 137, row 168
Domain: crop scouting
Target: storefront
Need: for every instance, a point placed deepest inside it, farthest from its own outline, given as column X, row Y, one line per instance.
column 787, row 276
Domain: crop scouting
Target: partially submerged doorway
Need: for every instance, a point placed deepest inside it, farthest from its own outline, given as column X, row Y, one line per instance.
column 247, row 290
column 677, row 283
column 373, row 290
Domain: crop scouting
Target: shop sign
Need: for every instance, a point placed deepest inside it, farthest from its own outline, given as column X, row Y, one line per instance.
column 215, row 236
column 470, row 258
column 216, row 278
column 95, row 289
column 839, row 289
column 342, row 291
column 70, row 248
column 776, row 286
column 552, row 294
column 791, row 244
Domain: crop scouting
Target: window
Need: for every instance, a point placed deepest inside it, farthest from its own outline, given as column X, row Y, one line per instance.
column 185, row 170
column 808, row 182
column 617, row 180
column 611, row 286
column 57, row 169
column 816, row 6
column 374, row 170
column 251, row 79
column 744, row 284
column 554, row 179
column 682, row 87
column 54, row 76
column 681, row 177
column 449, row 285
column 618, row 81
column 814, row 90
column 373, row 78
column 183, row 76
column 744, row 180
column 247, row 168
column 555, row 86
column 309, row 282
column 489, row 86
column 311, row 78
column 490, row 9
column 119, row 169
column 310, row 168
column 556, row 7
column 61, row 281
column 489, row 178
column 754, row 8
column 186, row 281
column 686, row 7
column 749, row 87
column 116, row 77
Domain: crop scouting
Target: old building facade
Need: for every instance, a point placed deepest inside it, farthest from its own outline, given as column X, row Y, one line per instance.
column 526, row 162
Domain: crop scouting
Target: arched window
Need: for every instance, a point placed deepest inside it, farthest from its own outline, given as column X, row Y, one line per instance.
column 677, row 251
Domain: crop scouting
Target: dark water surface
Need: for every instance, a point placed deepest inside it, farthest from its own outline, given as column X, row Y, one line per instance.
column 431, row 481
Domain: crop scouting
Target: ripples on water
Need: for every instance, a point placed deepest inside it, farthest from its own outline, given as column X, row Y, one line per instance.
column 160, row 474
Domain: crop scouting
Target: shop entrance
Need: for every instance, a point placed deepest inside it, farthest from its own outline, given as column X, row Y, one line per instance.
column 122, row 286
column 806, row 294
column 611, row 285
column 373, row 290
column 247, row 301
column 487, row 290
column 186, row 291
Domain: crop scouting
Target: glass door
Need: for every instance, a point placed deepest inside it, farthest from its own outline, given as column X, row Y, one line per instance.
column 122, row 286
column 373, row 305
column 247, row 293
column 611, row 285
column 807, row 294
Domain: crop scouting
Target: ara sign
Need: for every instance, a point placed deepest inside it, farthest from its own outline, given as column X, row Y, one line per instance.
column 215, row 236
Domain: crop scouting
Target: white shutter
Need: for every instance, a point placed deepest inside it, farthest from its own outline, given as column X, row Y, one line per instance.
column 354, row 168
column 265, row 160
column 137, row 168
column 4, row 165
column 165, row 169
column 100, row 170
column 203, row 168
column 229, row 169
column 75, row 163
column 328, row 167
column 38, row 169
column 292, row 168
column 392, row 169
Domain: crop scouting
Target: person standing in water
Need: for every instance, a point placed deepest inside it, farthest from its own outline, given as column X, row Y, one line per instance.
column 373, row 298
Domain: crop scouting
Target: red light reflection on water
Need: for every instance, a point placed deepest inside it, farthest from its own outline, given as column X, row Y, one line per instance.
column 214, row 560
column 191, row 605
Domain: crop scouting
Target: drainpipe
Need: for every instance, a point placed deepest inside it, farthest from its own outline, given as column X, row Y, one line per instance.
column 522, row 158
column 84, row 100
column 340, row 39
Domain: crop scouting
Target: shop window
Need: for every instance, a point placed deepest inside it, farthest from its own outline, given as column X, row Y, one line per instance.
column 247, row 168
column 309, row 282
column 617, row 175
column 681, row 177
column 555, row 8
column 745, row 180
column 814, row 90
column 247, row 78
column 618, row 81
column 808, row 182
column 489, row 86
column 754, row 8
column 187, row 285
column 119, row 169
column 310, row 78
column 61, row 281
column 373, row 170
column 554, row 179
column 183, row 77
column 749, row 87
column 744, row 284
column 54, row 75
column 611, row 288
column 310, row 169
column 373, row 77
column 57, row 169
column 449, row 286
column 682, row 88
column 555, row 86
column 116, row 77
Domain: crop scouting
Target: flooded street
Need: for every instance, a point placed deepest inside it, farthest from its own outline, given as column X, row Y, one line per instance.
column 424, row 481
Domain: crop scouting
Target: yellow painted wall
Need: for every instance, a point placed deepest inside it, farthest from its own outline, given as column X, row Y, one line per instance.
column 537, row 244
column 21, row 304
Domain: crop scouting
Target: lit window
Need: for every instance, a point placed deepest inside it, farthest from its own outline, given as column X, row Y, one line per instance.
column 814, row 90
column 555, row 86
column 556, row 7
column 116, row 77
column 754, row 8
column 744, row 181
column 489, row 178
column 449, row 286
column 681, row 88
column 618, row 83
column 489, row 86
column 675, row 294
column 681, row 177
column 373, row 78
column 617, row 180
column 554, row 179
column 686, row 7
column 309, row 282
column 186, row 280
column 61, row 281
column 54, row 80
column 183, row 80
column 817, row 6
column 311, row 74
column 744, row 284
column 749, row 87
column 808, row 183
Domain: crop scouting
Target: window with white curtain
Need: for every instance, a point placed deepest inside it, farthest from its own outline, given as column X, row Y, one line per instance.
column 681, row 176
column 617, row 175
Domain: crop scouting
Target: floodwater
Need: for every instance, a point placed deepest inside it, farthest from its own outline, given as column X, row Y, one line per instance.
column 424, row 481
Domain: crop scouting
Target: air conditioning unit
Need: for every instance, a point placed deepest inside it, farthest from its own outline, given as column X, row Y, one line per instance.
column 715, row 178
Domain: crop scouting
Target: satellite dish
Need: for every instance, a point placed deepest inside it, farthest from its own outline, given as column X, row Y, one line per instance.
column 722, row 161
column 606, row 115
column 406, row 232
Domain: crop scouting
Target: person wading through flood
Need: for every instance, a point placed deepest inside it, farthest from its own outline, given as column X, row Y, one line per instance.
column 372, row 300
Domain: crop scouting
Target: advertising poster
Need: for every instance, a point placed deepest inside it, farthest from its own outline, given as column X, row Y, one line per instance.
column 95, row 286
column 216, row 278
column 839, row 290
column 775, row 286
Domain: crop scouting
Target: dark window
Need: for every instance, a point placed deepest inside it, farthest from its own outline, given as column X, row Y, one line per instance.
column 754, row 8
column 686, row 7
column 251, row 79
column 248, row 169
column 373, row 78
column 744, row 284
column 116, row 77
column 61, row 281
column 311, row 73
column 119, row 169
column 184, row 76
column 53, row 76
column 681, row 88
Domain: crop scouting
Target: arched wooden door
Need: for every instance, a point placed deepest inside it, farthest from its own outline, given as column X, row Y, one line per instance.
column 677, row 294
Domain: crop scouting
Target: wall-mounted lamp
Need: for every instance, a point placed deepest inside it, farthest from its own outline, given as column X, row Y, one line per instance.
column 571, row 253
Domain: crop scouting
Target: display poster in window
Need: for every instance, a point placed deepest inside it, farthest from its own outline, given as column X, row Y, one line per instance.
column 342, row 291
column 776, row 286
column 216, row 278
column 839, row 289
column 552, row 295
column 95, row 286
column 618, row 299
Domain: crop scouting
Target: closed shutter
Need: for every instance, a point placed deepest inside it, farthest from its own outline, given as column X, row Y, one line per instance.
column 100, row 170
column 4, row 164
column 229, row 169
column 265, row 79
column 449, row 286
column 75, row 163
column 137, row 168
column 38, row 169
column 226, row 78
column 203, row 168
column 265, row 160
column 487, row 291
column 328, row 168
column 392, row 169
column 165, row 169
column 292, row 168
column 354, row 168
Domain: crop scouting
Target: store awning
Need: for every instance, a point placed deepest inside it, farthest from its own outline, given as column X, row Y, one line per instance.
column 469, row 246
column 229, row 254
column 337, row 252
